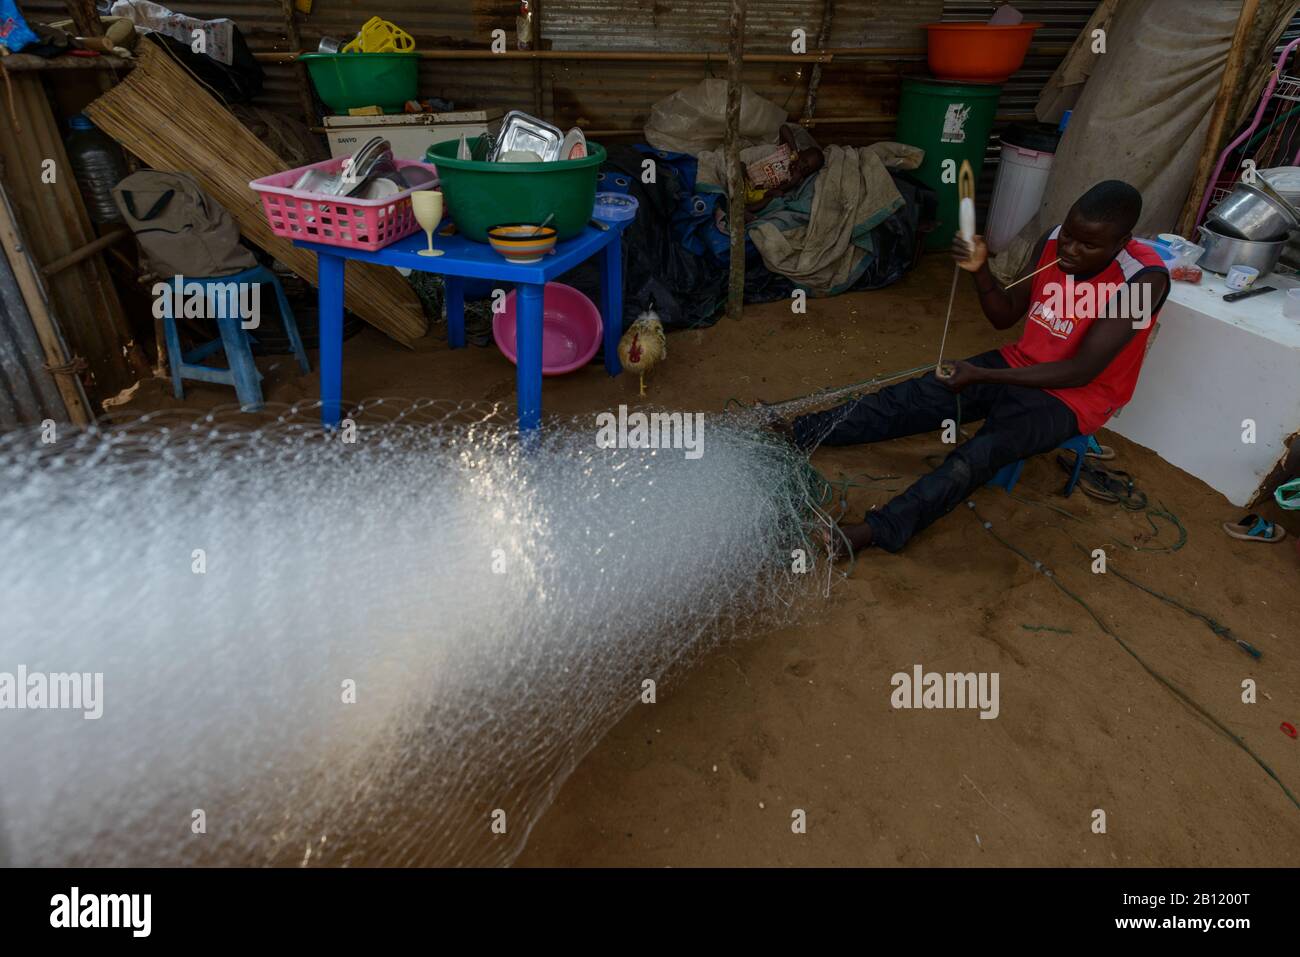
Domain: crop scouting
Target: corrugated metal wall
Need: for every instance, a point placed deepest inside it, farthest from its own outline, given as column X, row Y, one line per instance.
column 857, row 99
column 1062, row 20
column 54, row 223
column 617, row 96
column 607, row 96
column 702, row 24
column 28, row 394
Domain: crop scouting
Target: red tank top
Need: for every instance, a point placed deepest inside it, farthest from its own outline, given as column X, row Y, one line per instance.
column 1062, row 309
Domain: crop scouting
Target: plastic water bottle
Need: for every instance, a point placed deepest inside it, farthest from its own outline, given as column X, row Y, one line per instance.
column 98, row 166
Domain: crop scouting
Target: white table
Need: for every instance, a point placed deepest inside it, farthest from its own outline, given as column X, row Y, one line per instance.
column 1211, row 366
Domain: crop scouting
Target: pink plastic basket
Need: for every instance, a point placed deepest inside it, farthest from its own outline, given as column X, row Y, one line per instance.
column 367, row 224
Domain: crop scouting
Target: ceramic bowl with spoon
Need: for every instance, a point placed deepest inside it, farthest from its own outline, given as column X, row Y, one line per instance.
column 523, row 242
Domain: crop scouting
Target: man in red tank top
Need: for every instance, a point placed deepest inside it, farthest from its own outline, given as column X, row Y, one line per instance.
column 1088, row 318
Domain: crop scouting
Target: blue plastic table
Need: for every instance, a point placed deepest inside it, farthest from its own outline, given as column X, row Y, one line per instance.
column 464, row 259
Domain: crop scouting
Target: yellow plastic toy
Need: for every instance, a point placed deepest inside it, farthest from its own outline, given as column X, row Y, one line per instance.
column 380, row 36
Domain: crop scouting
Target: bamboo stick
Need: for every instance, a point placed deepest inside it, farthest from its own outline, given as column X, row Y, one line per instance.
column 539, row 96
column 629, row 56
column 818, row 121
column 117, row 234
column 168, row 120
column 1031, row 275
column 26, row 62
column 300, row 69
column 667, row 56
column 815, row 78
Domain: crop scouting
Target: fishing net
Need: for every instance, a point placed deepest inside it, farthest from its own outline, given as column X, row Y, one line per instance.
column 388, row 644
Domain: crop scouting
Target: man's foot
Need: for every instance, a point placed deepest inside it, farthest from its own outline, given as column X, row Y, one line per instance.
column 848, row 540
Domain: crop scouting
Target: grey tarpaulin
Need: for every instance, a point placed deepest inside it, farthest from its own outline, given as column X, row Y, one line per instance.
column 694, row 118
column 1143, row 112
column 820, row 236
column 1062, row 89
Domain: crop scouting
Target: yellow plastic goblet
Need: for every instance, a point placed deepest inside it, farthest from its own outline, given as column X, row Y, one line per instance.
column 427, row 206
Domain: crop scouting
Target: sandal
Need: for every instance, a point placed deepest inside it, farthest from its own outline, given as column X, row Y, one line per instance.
column 1102, row 453
column 1106, row 485
column 1253, row 528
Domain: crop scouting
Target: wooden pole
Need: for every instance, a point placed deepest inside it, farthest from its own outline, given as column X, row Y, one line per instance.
column 666, row 56
column 640, row 56
column 539, row 97
column 25, row 62
column 735, row 175
column 1214, row 136
column 85, row 19
column 815, row 78
column 116, row 234
column 299, row 69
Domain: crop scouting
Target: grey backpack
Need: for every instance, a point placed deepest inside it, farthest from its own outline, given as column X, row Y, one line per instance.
column 181, row 229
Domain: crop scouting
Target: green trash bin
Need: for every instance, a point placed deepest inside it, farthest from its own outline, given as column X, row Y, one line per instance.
column 950, row 121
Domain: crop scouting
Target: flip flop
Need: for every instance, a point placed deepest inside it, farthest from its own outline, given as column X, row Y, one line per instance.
column 1106, row 485
column 1252, row 528
column 1102, row 453
column 1288, row 495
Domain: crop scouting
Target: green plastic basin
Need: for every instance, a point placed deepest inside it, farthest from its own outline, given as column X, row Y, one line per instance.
column 349, row 80
column 480, row 195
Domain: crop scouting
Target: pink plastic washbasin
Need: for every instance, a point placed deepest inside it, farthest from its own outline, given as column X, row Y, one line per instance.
column 571, row 329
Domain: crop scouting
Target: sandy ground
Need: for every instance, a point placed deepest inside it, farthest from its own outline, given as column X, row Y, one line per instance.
column 801, row 719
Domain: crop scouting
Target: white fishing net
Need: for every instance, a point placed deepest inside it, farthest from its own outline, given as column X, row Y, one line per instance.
column 494, row 606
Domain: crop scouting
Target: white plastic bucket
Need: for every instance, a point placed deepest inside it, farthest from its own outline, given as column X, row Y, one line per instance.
column 1017, row 193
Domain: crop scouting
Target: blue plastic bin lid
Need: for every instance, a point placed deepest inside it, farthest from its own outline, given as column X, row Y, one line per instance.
column 615, row 207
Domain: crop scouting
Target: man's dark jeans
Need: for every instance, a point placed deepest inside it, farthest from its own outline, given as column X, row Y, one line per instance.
column 1018, row 422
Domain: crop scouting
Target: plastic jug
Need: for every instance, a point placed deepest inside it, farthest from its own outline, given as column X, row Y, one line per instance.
column 97, row 165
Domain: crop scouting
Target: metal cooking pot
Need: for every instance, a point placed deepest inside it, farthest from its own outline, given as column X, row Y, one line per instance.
column 1255, row 212
column 1223, row 252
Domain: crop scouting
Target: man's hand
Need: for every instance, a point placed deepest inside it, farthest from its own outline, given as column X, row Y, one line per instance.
column 970, row 257
column 956, row 374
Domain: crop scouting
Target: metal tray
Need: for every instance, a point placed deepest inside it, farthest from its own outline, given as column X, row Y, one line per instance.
column 519, row 131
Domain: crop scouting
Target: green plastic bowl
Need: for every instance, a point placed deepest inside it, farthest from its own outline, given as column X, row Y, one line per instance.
column 480, row 195
column 346, row 81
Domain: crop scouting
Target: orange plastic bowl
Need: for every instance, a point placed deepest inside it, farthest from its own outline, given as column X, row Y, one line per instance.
column 977, row 52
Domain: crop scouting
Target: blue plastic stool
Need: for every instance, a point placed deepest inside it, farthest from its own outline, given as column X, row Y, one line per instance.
column 1009, row 474
column 235, row 340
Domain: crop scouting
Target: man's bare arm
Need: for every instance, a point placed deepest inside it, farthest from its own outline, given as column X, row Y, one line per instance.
column 1101, row 344
column 1002, row 307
